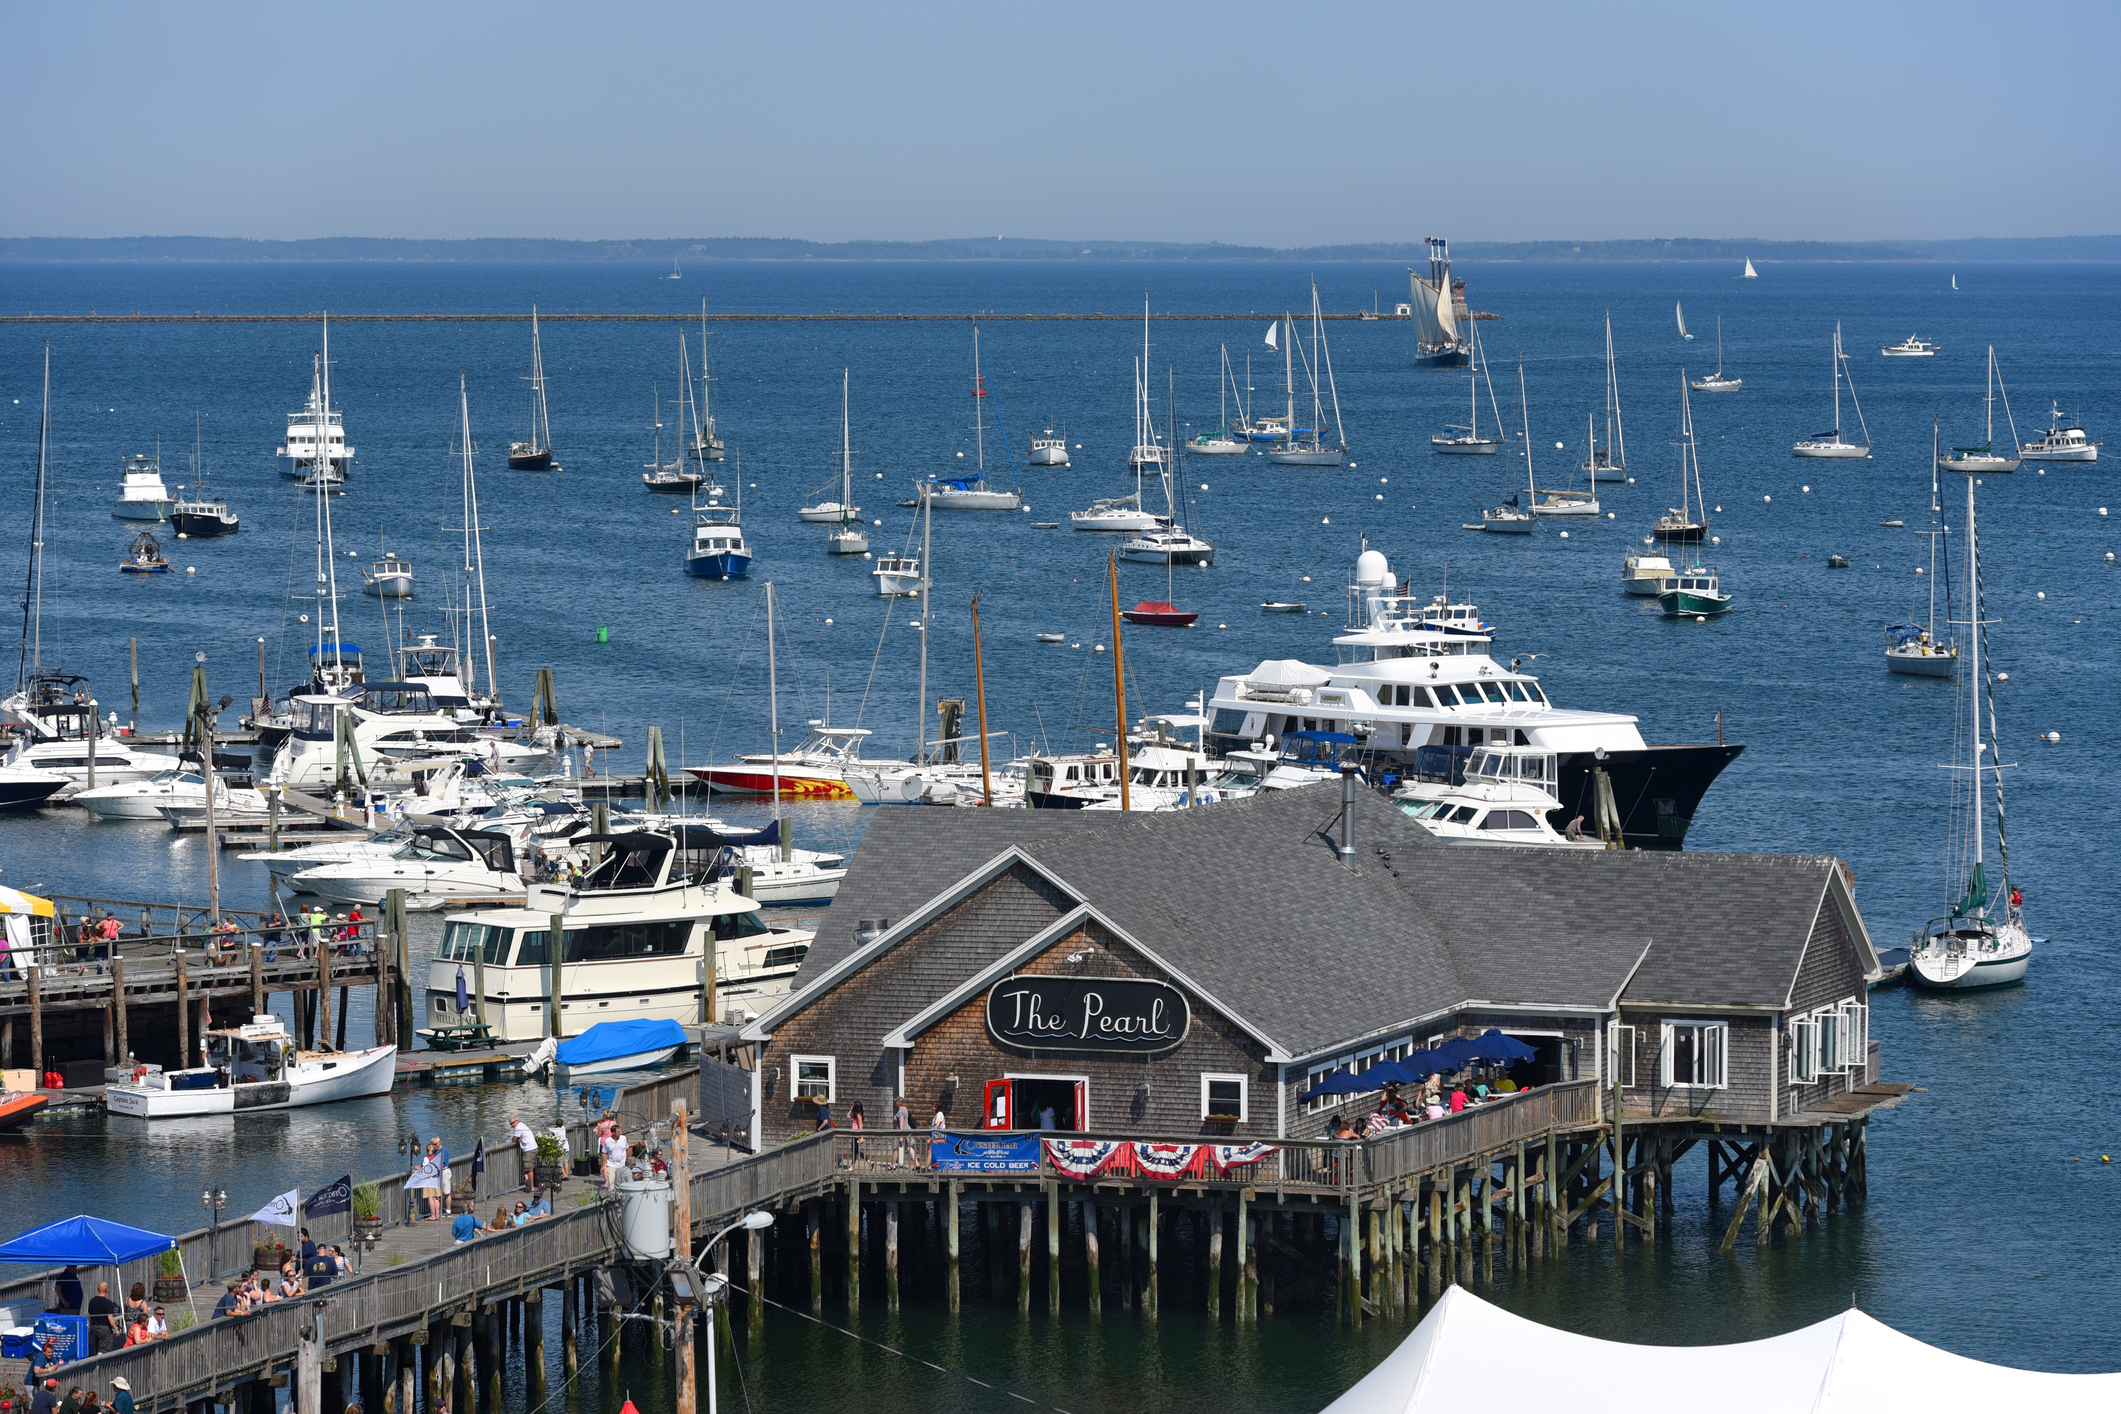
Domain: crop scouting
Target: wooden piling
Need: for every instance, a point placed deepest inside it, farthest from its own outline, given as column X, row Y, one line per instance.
column 1023, row 1256
column 1247, row 1272
column 324, row 996
column 570, row 1319
column 891, row 1255
column 257, row 979
column 1053, row 1244
column 755, row 1279
column 813, row 1235
column 1091, row 1219
column 1126, row 1257
column 1150, row 1289
column 463, row 1401
column 1215, row 1264
column 33, row 974
column 854, row 1244
column 534, row 1342
column 490, row 1351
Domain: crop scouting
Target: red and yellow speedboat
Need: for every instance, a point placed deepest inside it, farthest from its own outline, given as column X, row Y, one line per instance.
column 815, row 770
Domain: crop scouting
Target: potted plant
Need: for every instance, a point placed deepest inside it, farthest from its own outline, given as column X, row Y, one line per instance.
column 267, row 1256
column 367, row 1211
column 546, row 1167
column 169, row 1278
column 460, row 1199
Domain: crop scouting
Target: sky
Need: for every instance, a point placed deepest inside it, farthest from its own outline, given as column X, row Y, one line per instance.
column 1273, row 124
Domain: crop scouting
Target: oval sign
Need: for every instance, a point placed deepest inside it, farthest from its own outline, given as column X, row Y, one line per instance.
column 1126, row 1015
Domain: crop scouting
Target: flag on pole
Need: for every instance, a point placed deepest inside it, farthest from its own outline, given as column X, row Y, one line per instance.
column 280, row 1211
column 333, row 1197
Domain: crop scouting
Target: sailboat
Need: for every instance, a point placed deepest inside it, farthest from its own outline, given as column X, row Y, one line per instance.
column 201, row 514
column 22, row 782
column 675, row 273
column 843, row 509
column 1171, row 542
column 1750, row 272
column 1513, row 517
column 1311, row 450
column 1982, row 941
column 1266, row 427
column 535, row 454
column 1919, row 651
column 1716, row 382
column 1469, row 442
column 1148, row 448
column 1691, row 590
column 1220, row 442
column 1610, row 462
column 1982, row 460
column 1679, row 311
column 846, row 538
column 666, row 478
column 473, row 597
column 706, row 441
column 972, row 493
column 1955, row 282
column 1551, row 502
column 1436, row 341
column 1830, row 443
column 1688, row 521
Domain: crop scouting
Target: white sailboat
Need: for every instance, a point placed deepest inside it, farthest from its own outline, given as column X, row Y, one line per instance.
column 1311, row 449
column 535, row 454
column 1610, row 462
column 1919, row 651
column 1148, row 449
column 706, row 441
column 1831, row 444
column 1469, row 442
column 1750, row 272
column 1513, row 517
column 1570, row 502
column 1679, row 312
column 1172, row 542
column 1689, row 520
column 1122, row 515
column 972, row 493
column 836, row 512
column 1982, row 941
column 1982, row 460
column 1221, row 442
column 1716, row 382
column 1436, row 341
column 846, row 538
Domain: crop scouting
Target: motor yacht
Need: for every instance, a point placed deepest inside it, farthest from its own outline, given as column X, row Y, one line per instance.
column 1114, row 515
column 255, row 1066
column 397, row 721
column 1913, row 346
column 56, row 728
column 435, row 867
column 2064, row 441
column 1398, row 685
column 305, row 442
column 718, row 550
column 1168, row 547
column 141, row 494
column 1494, row 796
column 1644, row 575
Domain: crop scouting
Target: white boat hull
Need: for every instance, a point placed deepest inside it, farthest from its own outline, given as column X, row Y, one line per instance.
column 854, row 544
column 640, row 1060
column 1718, row 385
column 389, row 586
column 1048, row 456
column 1979, row 465
column 1462, row 447
column 319, row 1080
column 1295, row 456
column 897, row 586
column 1116, row 522
column 1922, row 665
column 1947, row 974
column 2036, row 453
column 975, row 500
column 141, row 510
column 1830, row 451
column 830, row 513
column 1223, row 448
column 1566, row 508
column 1513, row 526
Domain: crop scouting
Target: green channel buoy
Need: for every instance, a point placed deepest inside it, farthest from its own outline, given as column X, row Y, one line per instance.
column 603, row 634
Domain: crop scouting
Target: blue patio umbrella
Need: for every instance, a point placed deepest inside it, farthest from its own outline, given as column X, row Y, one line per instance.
column 1460, row 1049
column 1342, row 1082
column 1423, row 1064
column 1492, row 1045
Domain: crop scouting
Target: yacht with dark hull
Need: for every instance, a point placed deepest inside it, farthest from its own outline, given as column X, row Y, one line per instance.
column 1401, row 687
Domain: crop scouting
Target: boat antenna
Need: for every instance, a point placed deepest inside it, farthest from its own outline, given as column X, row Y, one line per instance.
column 1119, row 678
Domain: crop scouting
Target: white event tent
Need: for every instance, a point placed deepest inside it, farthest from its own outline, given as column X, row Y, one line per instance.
column 1468, row 1354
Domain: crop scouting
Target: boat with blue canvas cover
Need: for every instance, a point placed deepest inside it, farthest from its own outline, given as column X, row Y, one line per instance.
column 634, row 1044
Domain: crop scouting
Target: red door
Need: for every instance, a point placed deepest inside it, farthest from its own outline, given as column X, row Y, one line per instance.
column 996, row 1110
column 1082, row 1106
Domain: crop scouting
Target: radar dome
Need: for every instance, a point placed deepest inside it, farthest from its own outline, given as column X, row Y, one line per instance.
column 1371, row 567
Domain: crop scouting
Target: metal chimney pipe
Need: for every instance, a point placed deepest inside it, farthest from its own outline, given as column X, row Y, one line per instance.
column 1347, row 816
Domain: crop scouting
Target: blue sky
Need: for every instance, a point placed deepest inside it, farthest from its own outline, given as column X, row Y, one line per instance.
column 1279, row 124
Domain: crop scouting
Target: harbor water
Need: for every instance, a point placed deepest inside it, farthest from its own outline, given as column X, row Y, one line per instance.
column 1993, row 1216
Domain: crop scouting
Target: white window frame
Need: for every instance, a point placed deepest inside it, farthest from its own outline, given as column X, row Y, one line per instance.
column 832, row 1076
column 1856, row 1015
column 1714, row 1050
column 1831, row 1032
column 1620, row 1056
column 1804, row 1050
column 1244, row 1094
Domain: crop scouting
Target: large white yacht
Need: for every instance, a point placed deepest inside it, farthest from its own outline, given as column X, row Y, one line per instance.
column 141, row 494
column 434, row 867
column 1400, row 685
column 298, row 453
column 636, row 938
column 56, row 727
column 390, row 722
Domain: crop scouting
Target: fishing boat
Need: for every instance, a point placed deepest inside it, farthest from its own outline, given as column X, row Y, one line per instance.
column 1222, row 442
column 141, row 495
column 1049, row 450
column 1983, row 460
column 1693, row 592
column 1918, row 650
column 1689, row 520
column 255, row 1066
column 1750, row 272
column 1912, row 346
column 1310, row 449
column 1609, row 462
column 904, row 576
column 1679, row 313
column 1644, row 575
column 144, row 556
column 718, row 550
column 1716, row 382
column 972, row 493
column 1982, row 940
column 201, row 515
column 536, row 453
column 2064, row 441
column 1831, row 444
column 316, row 437
column 388, row 578
column 1434, row 299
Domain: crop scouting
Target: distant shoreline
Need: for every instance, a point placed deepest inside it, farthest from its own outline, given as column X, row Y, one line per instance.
column 716, row 250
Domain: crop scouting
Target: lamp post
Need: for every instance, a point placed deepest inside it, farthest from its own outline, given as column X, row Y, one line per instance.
column 213, row 1200
column 713, row 1287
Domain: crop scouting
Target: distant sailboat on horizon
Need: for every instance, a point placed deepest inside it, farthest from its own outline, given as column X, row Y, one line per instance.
column 1750, row 272
column 1679, row 312
column 1955, row 282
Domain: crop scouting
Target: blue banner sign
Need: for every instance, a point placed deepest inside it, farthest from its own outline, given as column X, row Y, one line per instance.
column 970, row 1153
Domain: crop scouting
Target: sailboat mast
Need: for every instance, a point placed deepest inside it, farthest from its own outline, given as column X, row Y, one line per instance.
column 979, row 408
column 1524, row 409
column 329, row 579
column 773, row 709
column 476, row 569
column 1288, row 357
column 1119, row 681
column 846, row 454
column 1973, row 591
column 1934, row 510
column 33, row 597
column 927, row 582
column 1837, row 380
column 1326, row 353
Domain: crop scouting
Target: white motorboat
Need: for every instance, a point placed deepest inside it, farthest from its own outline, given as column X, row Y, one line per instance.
column 608, row 1048
column 1983, row 460
column 388, row 578
column 1982, row 941
column 970, row 492
column 436, row 866
column 1644, row 575
column 806, row 876
column 255, row 1066
column 1114, row 515
column 141, row 494
column 1049, row 450
column 1168, row 547
column 136, row 800
column 396, row 720
column 2064, row 441
column 814, row 770
column 316, row 436
column 904, row 575
column 1717, row 382
column 638, row 932
column 1911, row 347
column 1311, row 449
column 286, row 863
column 1499, row 796
column 1831, row 445
column 1609, row 462
column 1918, row 650
column 56, row 730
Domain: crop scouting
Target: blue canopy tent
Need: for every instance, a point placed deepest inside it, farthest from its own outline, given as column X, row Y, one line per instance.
column 87, row 1242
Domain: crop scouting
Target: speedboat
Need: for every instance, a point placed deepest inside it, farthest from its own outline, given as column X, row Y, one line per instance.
column 1050, row 450
column 815, row 770
column 1693, row 592
column 1118, row 514
column 138, row 800
column 389, row 578
column 1912, row 346
column 255, row 1066
column 25, row 786
column 611, row 1046
column 1168, row 547
column 436, row 866
column 141, row 495
column 1644, row 575
column 2064, row 441
column 1497, row 796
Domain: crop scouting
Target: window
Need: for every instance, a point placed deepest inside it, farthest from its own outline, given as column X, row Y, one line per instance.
column 785, row 957
column 1694, row 1053
column 1856, row 1018
column 1446, row 695
column 816, row 1078
column 1421, row 697
column 1222, row 1097
column 1620, row 1056
column 1804, row 1050
column 1831, row 1034
column 1494, row 692
column 623, row 941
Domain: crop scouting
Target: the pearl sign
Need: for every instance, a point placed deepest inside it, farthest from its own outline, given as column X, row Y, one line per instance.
column 1123, row 1015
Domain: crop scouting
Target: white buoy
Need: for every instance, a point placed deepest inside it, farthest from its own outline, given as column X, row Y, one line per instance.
column 1380, row 496
column 1557, row 446
column 1918, row 569
column 828, row 623
column 2003, row 677
column 1763, row 498
column 2102, row 510
column 1222, row 625
column 1325, row 520
column 182, row 536
column 1719, row 510
column 1701, row 618
column 2109, row 557
column 1384, row 481
column 2040, row 594
column 2052, row 738
column 1715, row 540
column 1631, row 481
column 1807, row 490
column 1098, row 649
column 1608, row 515
column 191, row 569
column 2041, row 472
column 1564, row 535
column 1204, row 486
column 1307, row 579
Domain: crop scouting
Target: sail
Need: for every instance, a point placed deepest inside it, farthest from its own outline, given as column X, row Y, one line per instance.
column 1750, row 272
column 1434, row 321
column 1271, row 328
column 1680, row 311
column 1976, row 891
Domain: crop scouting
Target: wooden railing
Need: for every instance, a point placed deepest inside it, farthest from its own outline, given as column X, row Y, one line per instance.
column 1402, row 1153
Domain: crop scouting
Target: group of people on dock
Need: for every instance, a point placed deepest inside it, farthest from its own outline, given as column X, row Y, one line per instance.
column 1432, row 1101
column 303, row 1273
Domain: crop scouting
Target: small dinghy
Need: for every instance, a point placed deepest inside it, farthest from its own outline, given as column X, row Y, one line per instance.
column 1053, row 638
column 144, row 556
column 1276, row 606
column 611, row 1046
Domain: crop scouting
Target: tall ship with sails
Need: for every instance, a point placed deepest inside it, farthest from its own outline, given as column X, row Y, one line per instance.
column 1436, row 312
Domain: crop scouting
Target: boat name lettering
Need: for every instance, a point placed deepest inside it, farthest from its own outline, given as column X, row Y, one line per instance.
column 1128, row 1014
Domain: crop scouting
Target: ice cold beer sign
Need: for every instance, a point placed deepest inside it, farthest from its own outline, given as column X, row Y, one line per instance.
column 1112, row 1015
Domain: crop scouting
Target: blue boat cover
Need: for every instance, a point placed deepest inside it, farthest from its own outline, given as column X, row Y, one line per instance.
column 85, row 1242
column 610, row 1040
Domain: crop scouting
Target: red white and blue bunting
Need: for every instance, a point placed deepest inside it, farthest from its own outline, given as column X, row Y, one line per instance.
column 1092, row 1158
column 1230, row 1156
column 1082, row 1158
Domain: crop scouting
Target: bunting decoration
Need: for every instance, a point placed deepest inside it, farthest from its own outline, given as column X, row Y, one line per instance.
column 1083, row 1158
column 1169, row 1161
column 1226, row 1157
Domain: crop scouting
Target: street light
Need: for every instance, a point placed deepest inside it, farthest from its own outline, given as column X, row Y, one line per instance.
column 213, row 1200
column 714, row 1284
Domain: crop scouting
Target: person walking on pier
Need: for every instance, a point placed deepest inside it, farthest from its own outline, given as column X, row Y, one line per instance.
column 526, row 1144
column 613, row 1148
